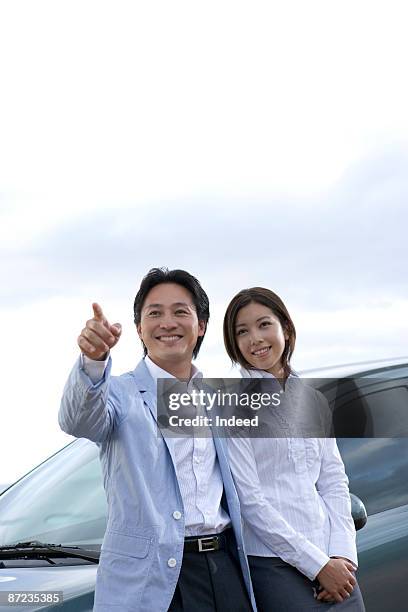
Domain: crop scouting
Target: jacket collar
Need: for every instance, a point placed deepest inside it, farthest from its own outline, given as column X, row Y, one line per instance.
column 146, row 385
column 143, row 378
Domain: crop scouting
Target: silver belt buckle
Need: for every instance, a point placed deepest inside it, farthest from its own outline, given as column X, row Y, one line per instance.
column 207, row 544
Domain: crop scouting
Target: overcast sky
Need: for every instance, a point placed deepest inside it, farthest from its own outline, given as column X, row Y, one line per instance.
column 252, row 143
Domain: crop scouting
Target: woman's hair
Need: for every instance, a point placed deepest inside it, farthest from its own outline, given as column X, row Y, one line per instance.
column 268, row 298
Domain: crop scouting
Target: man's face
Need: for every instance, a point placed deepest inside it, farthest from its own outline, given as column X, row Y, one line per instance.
column 169, row 326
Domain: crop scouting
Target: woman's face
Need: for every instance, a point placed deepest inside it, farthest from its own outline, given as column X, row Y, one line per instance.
column 260, row 337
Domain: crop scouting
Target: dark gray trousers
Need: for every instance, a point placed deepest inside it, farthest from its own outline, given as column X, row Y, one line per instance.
column 211, row 582
column 280, row 587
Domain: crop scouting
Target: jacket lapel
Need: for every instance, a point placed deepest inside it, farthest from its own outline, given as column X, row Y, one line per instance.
column 147, row 387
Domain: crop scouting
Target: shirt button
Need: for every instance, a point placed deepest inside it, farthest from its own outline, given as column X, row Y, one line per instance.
column 177, row 515
column 172, row 562
column 196, row 459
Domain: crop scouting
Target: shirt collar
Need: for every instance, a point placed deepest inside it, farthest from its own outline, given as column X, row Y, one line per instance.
column 253, row 373
column 157, row 372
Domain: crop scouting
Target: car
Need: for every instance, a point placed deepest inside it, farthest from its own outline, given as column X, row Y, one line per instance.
column 62, row 501
column 372, row 437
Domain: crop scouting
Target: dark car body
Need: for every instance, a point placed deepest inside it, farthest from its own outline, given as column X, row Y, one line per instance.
column 377, row 467
column 63, row 500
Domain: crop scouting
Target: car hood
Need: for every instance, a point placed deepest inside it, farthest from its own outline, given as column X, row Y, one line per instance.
column 72, row 580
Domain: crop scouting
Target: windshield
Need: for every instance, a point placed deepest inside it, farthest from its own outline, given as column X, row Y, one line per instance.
column 62, row 501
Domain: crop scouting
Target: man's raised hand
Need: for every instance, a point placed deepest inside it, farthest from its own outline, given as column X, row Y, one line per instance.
column 98, row 336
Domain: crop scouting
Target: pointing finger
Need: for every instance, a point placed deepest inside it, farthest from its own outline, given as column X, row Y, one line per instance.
column 98, row 312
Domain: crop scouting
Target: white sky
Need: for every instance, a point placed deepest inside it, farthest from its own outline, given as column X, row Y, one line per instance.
column 248, row 142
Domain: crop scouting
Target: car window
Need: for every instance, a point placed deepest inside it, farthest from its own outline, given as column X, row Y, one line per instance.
column 374, row 404
column 388, row 409
column 365, row 406
column 377, row 466
column 378, row 470
column 62, row 501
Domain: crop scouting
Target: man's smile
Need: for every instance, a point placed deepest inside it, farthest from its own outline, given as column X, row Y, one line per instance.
column 169, row 338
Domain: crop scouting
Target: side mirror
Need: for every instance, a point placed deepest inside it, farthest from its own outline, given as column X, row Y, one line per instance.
column 358, row 512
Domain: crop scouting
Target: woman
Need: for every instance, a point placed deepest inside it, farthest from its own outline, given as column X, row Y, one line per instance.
column 299, row 533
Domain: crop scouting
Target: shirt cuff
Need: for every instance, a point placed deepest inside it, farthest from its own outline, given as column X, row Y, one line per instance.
column 94, row 369
column 311, row 561
column 340, row 547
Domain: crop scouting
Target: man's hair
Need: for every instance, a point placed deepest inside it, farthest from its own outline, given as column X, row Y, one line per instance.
column 157, row 276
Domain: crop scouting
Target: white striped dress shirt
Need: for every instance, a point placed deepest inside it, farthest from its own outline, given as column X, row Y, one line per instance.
column 294, row 498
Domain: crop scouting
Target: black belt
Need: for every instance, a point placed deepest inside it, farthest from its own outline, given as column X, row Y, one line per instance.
column 206, row 543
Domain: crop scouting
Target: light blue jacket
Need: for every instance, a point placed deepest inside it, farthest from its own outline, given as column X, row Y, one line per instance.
column 142, row 550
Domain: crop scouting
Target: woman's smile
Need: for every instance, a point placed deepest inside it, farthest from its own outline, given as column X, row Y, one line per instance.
column 260, row 337
column 262, row 352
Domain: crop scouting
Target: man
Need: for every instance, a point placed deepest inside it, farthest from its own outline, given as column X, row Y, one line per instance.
column 168, row 543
